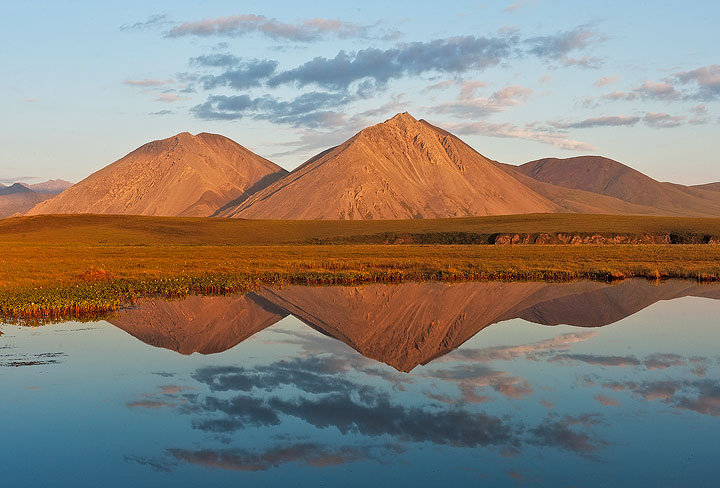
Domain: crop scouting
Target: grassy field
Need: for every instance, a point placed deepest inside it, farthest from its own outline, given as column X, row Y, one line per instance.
column 135, row 230
column 70, row 266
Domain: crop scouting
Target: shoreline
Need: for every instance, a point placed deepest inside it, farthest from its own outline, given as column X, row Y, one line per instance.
column 96, row 295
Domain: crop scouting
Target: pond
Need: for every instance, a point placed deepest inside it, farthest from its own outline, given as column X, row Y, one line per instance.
column 505, row 384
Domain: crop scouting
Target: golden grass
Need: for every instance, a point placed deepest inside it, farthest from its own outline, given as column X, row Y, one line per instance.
column 69, row 266
column 136, row 230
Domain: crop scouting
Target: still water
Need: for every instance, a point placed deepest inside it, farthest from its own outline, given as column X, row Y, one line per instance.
column 500, row 384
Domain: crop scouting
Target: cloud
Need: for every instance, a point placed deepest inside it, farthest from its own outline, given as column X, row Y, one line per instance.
column 147, row 82
column 451, row 55
column 216, row 60
column 467, row 105
column 150, row 404
column 469, row 377
column 241, row 25
column 558, row 46
column 701, row 396
column 588, row 62
column 169, row 97
column 598, row 360
column 661, row 120
column 606, row 80
column 649, row 90
column 663, row 361
column 607, row 401
column 514, row 7
column 560, row 434
column 606, row 121
column 705, row 78
column 699, row 114
column 310, row 109
column 161, row 112
column 307, row 454
column 154, row 21
column 245, row 74
column 508, row 130
column 651, row 119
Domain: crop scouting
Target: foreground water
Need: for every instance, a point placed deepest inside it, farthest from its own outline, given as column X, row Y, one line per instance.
column 456, row 384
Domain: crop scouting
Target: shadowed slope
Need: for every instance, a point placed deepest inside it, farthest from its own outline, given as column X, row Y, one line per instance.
column 183, row 175
column 399, row 169
column 606, row 177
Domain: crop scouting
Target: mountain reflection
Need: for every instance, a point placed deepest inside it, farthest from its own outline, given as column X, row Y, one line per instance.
column 400, row 325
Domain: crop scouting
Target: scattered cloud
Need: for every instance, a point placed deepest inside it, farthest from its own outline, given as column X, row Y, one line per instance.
column 378, row 66
column 699, row 114
column 606, row 80
column 467, row 105
column 161, row 112
column 588, row 62
column 242, row 25
column 661, row 120
column 152, row 22
column 307, row 454
column 607, row 401
column 558, row 46
column 508, row 130
column 312, row 109
column 606, row 121
column 146, row 83
column 245, row 74
column 169, row 97
column 705, row 78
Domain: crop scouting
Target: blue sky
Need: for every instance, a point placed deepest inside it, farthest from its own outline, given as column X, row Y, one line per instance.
column 84, row 83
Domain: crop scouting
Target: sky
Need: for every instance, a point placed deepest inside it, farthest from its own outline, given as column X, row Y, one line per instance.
column 86, row 82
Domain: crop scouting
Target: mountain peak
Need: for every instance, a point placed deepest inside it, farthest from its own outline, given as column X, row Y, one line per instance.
column 183, row 175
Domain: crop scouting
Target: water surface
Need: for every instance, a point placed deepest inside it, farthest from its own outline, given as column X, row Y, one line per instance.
column 581, row 384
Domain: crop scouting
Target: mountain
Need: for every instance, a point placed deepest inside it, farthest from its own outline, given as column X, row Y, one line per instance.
column 17, row 199
column 50, row 186
column 402, row 326
column 708, row 186
column 15, row 188
column 184, row 175
column 198, row 324
column 400, row 169
column 603, row 176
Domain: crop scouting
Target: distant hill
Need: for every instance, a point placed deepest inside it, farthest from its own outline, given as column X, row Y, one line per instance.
column 184, row 175
column 400, row 169
column 15, row 188
column 708, row 186
column 50, row 186
column 603, row 176
column 18, row 199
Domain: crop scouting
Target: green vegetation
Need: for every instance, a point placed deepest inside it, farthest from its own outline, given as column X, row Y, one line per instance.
column 72, row 266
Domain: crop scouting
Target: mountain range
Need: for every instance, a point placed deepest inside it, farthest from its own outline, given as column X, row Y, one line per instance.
column 402, row 168
column 18, row 198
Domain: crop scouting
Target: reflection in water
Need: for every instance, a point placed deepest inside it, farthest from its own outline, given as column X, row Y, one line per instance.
column 271, row 401
column 400, row 325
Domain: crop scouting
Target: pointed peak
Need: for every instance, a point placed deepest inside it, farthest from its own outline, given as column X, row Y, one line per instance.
column 402, row 118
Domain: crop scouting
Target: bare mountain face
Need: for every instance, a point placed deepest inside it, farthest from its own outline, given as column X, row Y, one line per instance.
column 400, row 169
column 605, row 177
column 184, row 175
